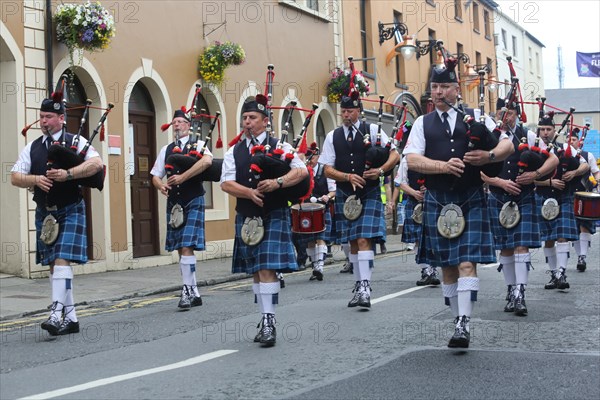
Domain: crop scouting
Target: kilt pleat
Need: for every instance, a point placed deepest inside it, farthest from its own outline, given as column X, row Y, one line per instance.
column 368, row 226
column 563, row 226
column 191, row 234
column 525, row 233
column 476, row 242
column 71, row 243
column 274, row 252
column 411, row 231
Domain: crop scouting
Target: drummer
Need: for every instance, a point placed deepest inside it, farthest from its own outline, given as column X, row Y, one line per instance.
column 586, row 228
column 323, row 193
column 561, row 227
column 344, row 160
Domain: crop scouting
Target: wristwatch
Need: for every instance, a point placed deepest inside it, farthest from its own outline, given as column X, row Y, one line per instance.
column 492, row 156
column 280, row 181
column 69, row 176
column 381, row 172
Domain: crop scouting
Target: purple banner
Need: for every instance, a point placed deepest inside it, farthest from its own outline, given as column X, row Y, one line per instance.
column 588, row 65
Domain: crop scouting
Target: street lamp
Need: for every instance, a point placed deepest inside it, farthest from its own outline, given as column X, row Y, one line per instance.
column 420, row 47
column 388, row 33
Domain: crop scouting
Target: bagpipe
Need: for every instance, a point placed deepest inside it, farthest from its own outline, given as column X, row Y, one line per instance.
column 567, row 160
column 182, row 160
column 63, row 156
column 272, row 163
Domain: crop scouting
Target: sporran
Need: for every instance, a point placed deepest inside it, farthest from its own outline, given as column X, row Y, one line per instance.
column 49, row 232
column 451, row 222
column 253, row 231
column 509, row 215
column 177, row 217
column 352, row 208
column 550, row 209
column 417, row 214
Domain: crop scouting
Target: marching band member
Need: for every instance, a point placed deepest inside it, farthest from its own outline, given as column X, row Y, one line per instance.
column 409, row 182
column 186, row 190
column 513, row 213
column 275, row 251
column 586, row 228
column 437, row 147
column 344, row 159
column 57, row 193
column 323, row 192
column 555, row 199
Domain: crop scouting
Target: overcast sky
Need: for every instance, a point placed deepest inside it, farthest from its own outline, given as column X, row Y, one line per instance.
column 574, row 25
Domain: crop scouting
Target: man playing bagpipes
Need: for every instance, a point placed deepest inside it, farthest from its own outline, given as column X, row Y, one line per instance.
column 585, row 227
column 60, row 213
column 555, row 198
column 358, row 206
column 263, row 239
column 456, row 232
column 512, row 207
column 185, row 204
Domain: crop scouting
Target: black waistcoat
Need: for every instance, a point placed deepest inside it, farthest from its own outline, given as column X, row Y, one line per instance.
column 189, row 189
column 440, row 146
column 61, row 193
column 320, row 188
column 510, row 168
column 350, row 158
column 413, row 178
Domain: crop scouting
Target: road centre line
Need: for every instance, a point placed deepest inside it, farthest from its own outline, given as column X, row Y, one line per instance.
column 397, row 294
column 131, row 375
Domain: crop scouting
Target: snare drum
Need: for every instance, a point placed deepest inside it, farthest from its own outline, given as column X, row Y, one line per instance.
column 587, row 206
column 308, row 218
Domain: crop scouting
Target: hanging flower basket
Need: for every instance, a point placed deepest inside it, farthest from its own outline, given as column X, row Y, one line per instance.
column 215, row 59
column 339, row 85
column 87, row 27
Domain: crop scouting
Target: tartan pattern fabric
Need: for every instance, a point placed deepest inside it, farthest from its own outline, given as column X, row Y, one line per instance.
column 368, row 225
column 71, row 243
column 274, row 252
column 525, row 233
column 302, row 239
column 411, row 231
column 474, row 245
column 563, row 226
column 191, row 234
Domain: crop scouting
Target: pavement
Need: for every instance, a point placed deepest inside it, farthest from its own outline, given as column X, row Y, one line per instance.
column 21, row 297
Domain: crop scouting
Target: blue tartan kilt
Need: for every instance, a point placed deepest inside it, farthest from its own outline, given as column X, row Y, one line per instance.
column 274, row 252
column 71, row 243
column 368, row 226
column 563, row 226
column 411, row 231
column 191, row 234
column 474, row 245
column 302, row 239
column 525, row 233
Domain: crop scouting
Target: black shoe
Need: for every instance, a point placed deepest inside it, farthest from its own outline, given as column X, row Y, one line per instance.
column 553, row 284
column 581, row 264
column 354, row 301
column 434, row 278
column 347, row 268
column 185, row 301
column 268, row 332
column 383, row 248
column 259, row 334
column 195, row 301
column 52, row 326
column 461, row 337
column 562, row 281
column 281, row 280
column 316, row 275
column 425, row 278
column 510, row 298
column 364, row 295
column 68, row 326
column 520, row 306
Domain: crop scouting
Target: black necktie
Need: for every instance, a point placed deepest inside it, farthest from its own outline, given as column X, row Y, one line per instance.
column 48, row 142
column 350, row 136
column 446, row 123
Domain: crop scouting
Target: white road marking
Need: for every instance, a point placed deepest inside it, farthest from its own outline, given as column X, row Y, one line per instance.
column 397, row 294
column 132, row 375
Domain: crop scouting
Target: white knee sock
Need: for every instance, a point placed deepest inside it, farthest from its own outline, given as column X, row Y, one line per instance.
column 365, row 261
column 522, row 265
column 562, row 254
column 467, row 295
column 59, row 288
column 269, row 291
column 257, row 296
column 577, row 246
column 346, row 249
column 550, row 253
column 584, row 243
column 508, row 269
column 321, row 251
column 187, row 264
column 355, row 270
column 70, row 302
column 451, row 297
column 311, row 253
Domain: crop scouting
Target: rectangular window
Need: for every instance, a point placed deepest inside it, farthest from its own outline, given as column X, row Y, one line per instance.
column 476, row 17
column 458, row 10
column 537, row 63
column 514, row 46
column 313, row 4
column 530, row 61
column 432, row 53
column 486, row 24
column 504, row 45
column 364, row 38
column 398, row 39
